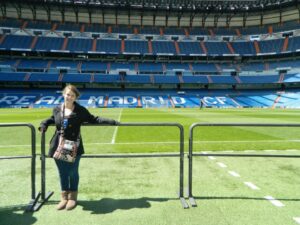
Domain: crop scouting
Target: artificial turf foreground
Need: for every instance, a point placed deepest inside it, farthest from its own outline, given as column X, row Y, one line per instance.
column 144, row 190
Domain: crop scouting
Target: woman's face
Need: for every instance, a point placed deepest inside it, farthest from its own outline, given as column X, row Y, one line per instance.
column 69, row 96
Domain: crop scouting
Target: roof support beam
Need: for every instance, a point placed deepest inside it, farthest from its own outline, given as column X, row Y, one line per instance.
column 18, row 9
column 204, row 17
column 33, row 10
column 192, row 16
column 3, row 9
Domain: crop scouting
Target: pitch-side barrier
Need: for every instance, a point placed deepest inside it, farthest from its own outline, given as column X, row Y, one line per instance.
column 45, row 196
column 34, row 199
column 191, row 154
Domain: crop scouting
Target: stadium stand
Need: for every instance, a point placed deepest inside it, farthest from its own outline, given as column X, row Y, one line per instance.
column 159, row 47
column 177, row 58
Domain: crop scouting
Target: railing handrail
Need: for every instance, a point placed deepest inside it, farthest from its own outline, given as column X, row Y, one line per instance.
column 191, row 154
column 181, row 154
column 33, row 157
column 247, row 124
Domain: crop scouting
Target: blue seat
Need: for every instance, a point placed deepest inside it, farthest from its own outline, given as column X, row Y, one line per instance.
column 195, row 79
column 70, row 66
column 216, row 48
column 158, row 79
column 271, row 46
column 91, row 66
column 163, row 48
column 49, row 44
column 32, row 64
column 136, row 47
column 44, row 77
column 98, row 78
column 243, row 47
column 190, row 48
column 146, row 68
column 260, row 79
column 108, row 46
column 125, row 66
column 68, row 26
column 204, row 67
column 97, row 28
column 150, row 30
column 76, row 78
column 254, row 30
column 223, row 79
column 138, row 79
column 173, row 31
column 121, row 30
column 79, row 45
column 4, row 76
column 294, row 44
column 17, row 42
column 177, row 66
column 38, row 25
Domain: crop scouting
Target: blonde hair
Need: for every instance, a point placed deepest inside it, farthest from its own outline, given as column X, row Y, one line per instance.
column 73, row 89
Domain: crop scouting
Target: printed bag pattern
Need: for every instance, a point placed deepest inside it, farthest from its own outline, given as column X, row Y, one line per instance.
column 66, row 150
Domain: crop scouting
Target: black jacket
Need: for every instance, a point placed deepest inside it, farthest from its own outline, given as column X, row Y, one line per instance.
column 79, row 116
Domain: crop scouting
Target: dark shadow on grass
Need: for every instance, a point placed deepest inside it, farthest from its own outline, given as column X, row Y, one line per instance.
column 240, row 198
column 16, row 215
column 109, row 205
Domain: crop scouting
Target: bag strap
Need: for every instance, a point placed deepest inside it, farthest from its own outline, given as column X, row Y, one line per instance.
column 62, row 119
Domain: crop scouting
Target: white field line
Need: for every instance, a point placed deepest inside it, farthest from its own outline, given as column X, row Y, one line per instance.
column 235, row 174
column 274, row 201
column 297, row 219
column 116, row 129
column 211, row 157
column 222, row 165
column 251, row 185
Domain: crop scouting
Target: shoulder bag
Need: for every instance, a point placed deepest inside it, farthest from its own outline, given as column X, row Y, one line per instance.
column 66, row 149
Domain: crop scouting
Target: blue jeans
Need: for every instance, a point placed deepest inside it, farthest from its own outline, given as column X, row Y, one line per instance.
column 68, row 174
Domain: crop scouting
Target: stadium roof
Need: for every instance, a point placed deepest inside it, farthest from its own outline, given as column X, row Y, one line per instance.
column 213, row 6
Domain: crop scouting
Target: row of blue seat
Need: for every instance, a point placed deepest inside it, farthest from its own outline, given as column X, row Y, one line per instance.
column 108, row 46
column 39, row 65
column 122, row 29
column 146, row 79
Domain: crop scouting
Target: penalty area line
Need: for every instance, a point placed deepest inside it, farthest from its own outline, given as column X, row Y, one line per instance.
column 113, row 140
column 297, row 219
column 234, row 174
column 222, row 165
column 274, row 201
column 251, row 185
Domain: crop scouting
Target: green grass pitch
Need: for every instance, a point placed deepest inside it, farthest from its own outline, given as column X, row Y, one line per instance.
column 229, row 191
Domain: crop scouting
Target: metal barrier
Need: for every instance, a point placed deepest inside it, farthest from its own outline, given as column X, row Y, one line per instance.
column 45, row 196
column 31, row 205
column 191, row 154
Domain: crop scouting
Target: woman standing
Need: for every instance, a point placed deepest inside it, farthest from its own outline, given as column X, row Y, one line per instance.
column 68, row 118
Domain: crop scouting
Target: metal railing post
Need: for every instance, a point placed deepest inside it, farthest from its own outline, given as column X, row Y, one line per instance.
column 190, row 170
column 44, row 197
